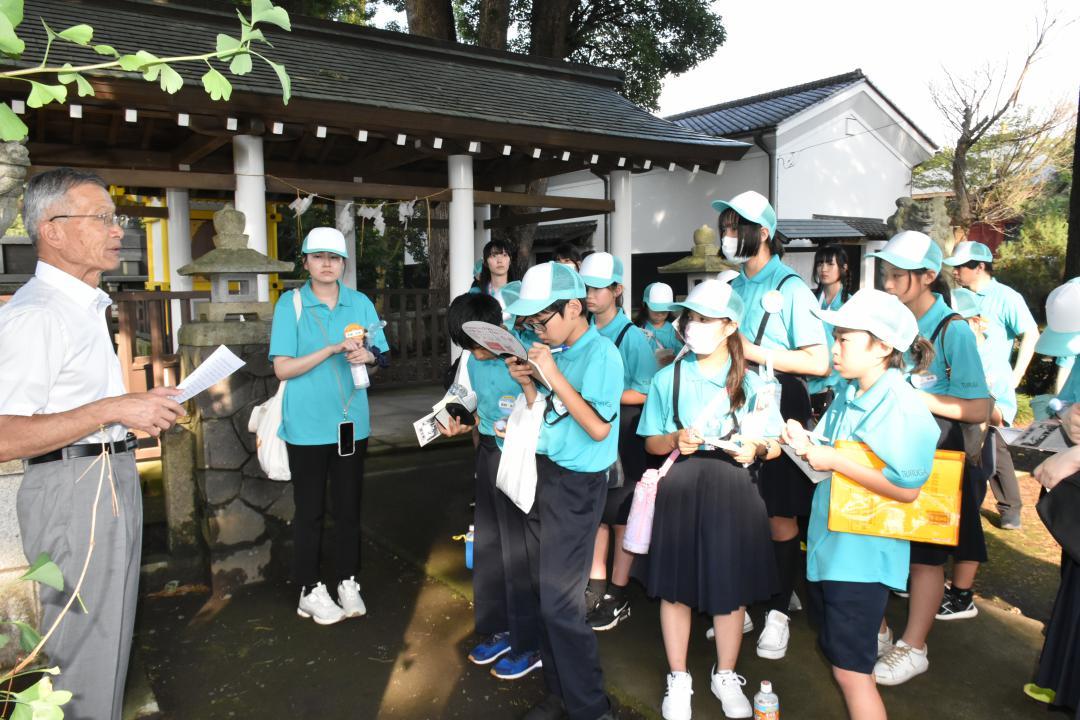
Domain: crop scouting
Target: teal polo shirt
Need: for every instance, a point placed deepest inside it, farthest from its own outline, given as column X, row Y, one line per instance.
column 663, row 337
column 957, row 344
column 639, row 360
column 821, row 384
column 313, row 404
column 1008, row 316
column 1070, row 391
column 795, row 326
column 999, row 380
column 593, row 367
column 696, row 391
column 892, row 419
column 495, row 391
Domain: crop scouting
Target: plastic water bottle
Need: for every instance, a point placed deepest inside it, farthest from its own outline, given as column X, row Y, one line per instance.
column 766, row 703
column 1057, row 407
column 469, row 547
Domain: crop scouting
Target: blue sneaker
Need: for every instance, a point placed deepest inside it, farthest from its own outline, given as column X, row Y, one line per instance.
column 491, row 649
column 516, row 665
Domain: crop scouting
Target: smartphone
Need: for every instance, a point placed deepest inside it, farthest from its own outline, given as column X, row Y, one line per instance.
column 346, row 444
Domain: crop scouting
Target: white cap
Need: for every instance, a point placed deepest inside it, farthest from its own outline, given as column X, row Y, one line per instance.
column 1062, row 335
column 713, row 299
column 543, row 285
column 601, row 269
column 726, row 276
column 325, row 239
column 658, row 296
column 911, row 250
column 752, row 206
column 878, row 313
column 968, row 250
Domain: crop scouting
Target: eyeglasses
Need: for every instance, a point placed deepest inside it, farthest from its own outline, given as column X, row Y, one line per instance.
column 107, row 218
column 539, row 326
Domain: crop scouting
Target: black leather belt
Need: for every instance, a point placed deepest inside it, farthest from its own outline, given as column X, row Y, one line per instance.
column 115, row 447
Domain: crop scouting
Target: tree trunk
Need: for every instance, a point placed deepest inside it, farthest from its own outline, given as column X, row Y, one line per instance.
column 550, row 24
column 494, row 23
column 1072, row 249
column 961, row 200
column 431, row 18
column 439, row 248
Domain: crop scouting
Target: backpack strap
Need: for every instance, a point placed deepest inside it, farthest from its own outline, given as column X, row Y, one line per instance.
column 622, row 334
column 765, row 318
column 675, row 395
column 940, row 330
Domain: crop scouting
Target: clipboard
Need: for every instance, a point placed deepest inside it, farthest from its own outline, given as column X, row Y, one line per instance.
column 934, row 517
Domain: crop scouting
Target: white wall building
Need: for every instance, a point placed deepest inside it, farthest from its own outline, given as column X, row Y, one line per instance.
column 834, row 147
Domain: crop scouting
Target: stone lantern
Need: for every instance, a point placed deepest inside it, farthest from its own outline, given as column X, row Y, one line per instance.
column 702, row 263
column 214, row 487
column 233, row 269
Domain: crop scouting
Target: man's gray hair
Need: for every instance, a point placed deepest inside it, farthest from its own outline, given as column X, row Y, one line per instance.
column 45, row 189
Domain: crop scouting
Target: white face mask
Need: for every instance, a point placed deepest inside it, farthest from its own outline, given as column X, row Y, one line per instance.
column 729, row 245
column 703, row 338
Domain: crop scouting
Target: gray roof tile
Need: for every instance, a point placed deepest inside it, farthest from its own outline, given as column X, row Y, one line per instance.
column 815, row 229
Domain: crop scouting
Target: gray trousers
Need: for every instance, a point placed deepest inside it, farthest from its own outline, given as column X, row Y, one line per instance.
column 92, row 648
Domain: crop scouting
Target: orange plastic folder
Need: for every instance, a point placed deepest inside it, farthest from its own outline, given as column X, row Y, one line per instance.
column 934, row 517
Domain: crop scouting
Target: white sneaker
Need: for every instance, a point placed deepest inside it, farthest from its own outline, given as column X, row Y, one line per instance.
column 676, row 705
column 884, row 642
column 747, row 627
column 773, row 641
column 727, row 687
column 900, row 664
column 348, row 594
column 318, row 605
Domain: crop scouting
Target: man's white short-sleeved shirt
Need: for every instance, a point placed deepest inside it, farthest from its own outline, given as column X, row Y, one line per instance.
column 55, row 350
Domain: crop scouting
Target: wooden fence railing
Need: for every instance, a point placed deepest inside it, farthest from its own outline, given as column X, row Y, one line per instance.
column 416, row 332
column 144, row 331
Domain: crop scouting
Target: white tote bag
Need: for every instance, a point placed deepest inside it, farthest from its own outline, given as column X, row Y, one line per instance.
column 517, row 467
column 264, row 422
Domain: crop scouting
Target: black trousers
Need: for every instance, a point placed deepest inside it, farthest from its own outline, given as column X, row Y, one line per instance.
column 502, row 587
column 312, row 466
column 1003, row 482
column 560, row 532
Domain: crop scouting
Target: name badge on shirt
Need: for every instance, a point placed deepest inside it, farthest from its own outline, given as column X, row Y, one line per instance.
column 506, row 404
column 923, row 380
column 557, row 404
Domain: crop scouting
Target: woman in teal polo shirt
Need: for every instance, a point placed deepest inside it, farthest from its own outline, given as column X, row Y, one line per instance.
column 831, row 273
column 321, row 412
column 954, row 389
column 579, row 440
column 849, row 575
column 711, row 549
column 779, row 329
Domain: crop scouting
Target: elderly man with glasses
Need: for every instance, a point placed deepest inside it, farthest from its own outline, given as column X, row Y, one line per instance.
column 63, row 408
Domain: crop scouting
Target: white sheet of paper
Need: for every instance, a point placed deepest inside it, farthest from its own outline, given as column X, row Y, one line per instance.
column 221, row 364
column 815, row 476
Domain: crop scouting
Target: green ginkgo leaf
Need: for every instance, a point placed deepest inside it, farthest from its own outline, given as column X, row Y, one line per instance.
column 138, row 61
column 216, row 85
column 170, row 79
column 266, row 11
column 12, row 10
column 28, row 635
column 78, row 34
column 286, row 83
column 44, row 570
column 226, row 43
column 241, row 64
column 9, row 41
column 12, row 127
column 41, row 94
column 106, row 50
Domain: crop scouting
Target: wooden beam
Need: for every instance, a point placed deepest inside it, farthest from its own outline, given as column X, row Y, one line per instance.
column 484, row 197
column 64, row 154
column 373, row 191
column 146, row 211
column 155, row 178
column 327, row 146
column 388, row 157
column 147, row 133
column 536, row 217
column 196, row 147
